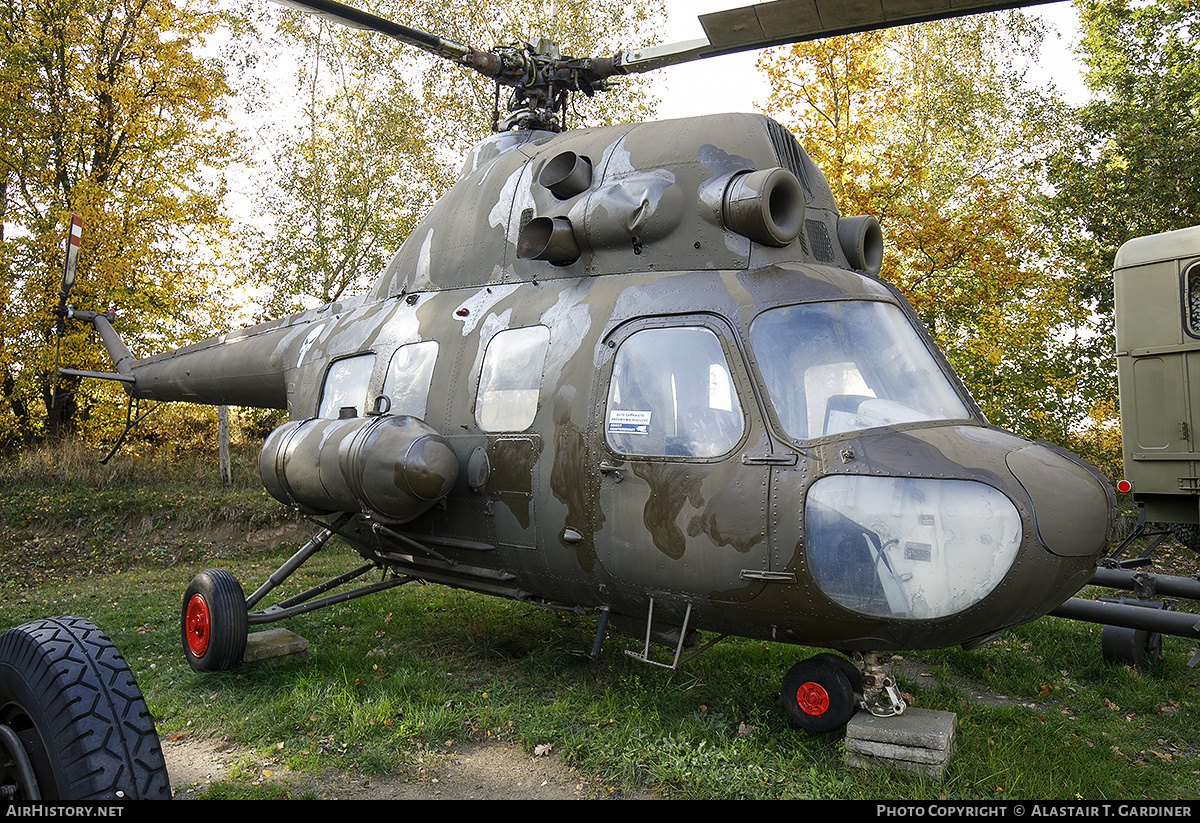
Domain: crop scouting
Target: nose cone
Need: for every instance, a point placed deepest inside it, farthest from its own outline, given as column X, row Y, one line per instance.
column 1072, row 503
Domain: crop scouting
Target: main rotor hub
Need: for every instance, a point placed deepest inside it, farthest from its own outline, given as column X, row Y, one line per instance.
column 542, row 81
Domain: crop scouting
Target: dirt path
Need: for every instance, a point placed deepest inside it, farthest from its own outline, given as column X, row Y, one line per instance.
column 484, row 772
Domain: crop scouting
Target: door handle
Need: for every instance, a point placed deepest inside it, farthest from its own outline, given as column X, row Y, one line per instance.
column 609, row 468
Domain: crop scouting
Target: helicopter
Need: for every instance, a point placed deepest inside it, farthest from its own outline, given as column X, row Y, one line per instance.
column 645, row 372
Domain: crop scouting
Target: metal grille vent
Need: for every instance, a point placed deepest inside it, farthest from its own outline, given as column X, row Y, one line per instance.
column 818, row 238
column 791, row 156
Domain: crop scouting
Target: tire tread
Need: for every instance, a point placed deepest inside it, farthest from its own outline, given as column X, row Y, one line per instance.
column 95, row 715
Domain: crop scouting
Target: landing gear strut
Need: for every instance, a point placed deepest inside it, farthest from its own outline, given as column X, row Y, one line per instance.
column 216, row 615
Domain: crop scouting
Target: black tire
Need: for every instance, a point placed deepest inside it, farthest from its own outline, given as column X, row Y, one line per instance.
column 73, row 722
column 1188, row 534
column 817, row 695
column 213, row 622
column 853, row 675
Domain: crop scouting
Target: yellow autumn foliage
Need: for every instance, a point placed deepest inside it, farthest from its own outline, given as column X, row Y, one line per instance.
column 107, row 110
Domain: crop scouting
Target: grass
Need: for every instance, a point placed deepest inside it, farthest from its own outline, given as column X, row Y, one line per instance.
column 397, row 679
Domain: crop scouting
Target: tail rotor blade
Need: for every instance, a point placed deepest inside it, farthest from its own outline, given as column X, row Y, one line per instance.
column 72, row 258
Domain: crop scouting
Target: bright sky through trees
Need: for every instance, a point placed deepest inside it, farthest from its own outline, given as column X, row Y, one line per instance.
column 731, row 82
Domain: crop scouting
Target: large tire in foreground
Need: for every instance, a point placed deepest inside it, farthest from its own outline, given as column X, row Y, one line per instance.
column 73, row 722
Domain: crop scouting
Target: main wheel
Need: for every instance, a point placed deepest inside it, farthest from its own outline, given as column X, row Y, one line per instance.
column 73, row 722
column 213, row 621
column 817, row 695
column 1119, row 644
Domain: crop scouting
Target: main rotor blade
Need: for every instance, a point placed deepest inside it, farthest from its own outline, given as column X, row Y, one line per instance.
column 790, row 21
column 483, row 62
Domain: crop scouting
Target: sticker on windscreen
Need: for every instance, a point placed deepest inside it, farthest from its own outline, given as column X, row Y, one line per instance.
column 628, row 422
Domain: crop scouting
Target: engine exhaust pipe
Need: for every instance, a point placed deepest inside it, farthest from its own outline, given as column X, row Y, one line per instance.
column 548, row 238
column 861, row 240
column 566, row 175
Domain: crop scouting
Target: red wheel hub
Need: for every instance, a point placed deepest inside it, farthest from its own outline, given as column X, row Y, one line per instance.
column 812, row 699
column 197, row 625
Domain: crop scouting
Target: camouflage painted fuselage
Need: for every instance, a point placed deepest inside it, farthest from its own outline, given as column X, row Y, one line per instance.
column 907, row 530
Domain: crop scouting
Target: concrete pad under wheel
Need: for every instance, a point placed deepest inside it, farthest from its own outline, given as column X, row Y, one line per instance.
column 275, row 645
column 919, row 741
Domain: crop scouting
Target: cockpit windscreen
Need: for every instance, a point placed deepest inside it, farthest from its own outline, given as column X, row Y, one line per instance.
column 848, row 365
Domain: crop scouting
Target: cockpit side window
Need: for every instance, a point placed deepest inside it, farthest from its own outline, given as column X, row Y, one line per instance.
column 672, row 395
column 346, row 385
column 511, row 379
column 848, row 365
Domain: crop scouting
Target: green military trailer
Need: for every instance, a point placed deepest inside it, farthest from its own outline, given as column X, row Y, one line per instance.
column 1156, row 281
column 1157, row 305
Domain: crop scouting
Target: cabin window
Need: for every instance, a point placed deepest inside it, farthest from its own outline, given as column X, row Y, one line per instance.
column 672, row 395
column 346, row 386
column 406, row 384
column 511, row 379
column 849, row 365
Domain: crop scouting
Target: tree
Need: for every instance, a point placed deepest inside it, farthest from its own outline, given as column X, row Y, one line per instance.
column 1131, row 163
column 348, row 182
column 932, row 129
column 383, row 127
column 1132, row 166
column 106, row 110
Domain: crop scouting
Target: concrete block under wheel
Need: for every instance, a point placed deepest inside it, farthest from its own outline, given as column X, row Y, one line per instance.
column 275, row 645
column 919, row 740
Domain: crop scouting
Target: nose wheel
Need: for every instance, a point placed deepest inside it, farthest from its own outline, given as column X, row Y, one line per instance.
column 818, row 693
column 822, row 693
